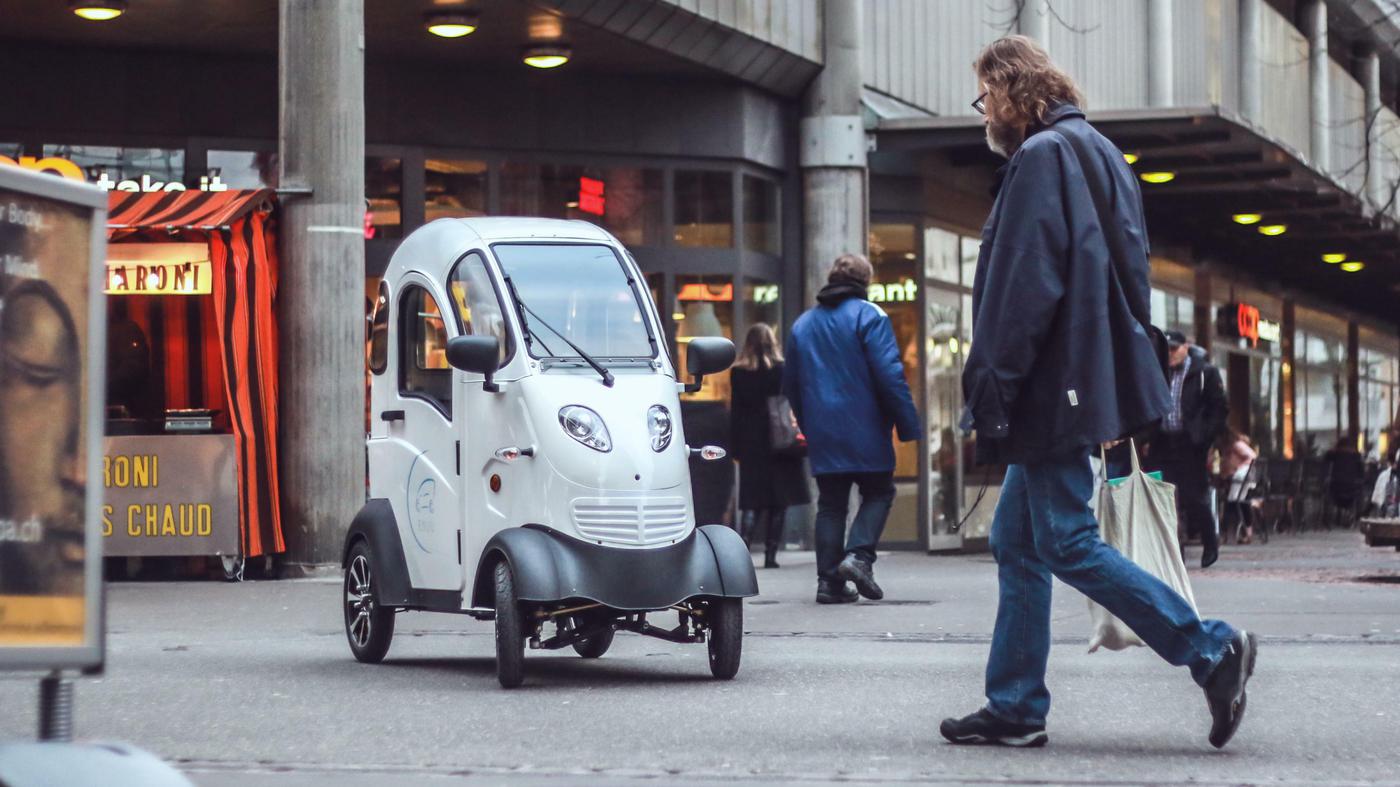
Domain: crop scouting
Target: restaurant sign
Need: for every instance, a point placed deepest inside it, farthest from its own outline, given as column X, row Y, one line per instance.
column 158, row 269
column 169, row 495
column 1242, row 321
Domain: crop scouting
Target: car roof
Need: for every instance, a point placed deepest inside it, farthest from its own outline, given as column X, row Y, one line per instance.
column 433, row 248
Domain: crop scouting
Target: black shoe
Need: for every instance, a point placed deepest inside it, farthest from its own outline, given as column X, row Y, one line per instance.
column 830, row 591
column 1209, row 556
column 861, row 573
column 984, row 729
column 1225, row 688
column 770, row 557
column 769, row 562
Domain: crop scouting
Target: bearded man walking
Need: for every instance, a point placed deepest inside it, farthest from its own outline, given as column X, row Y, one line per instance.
column 1062, row 360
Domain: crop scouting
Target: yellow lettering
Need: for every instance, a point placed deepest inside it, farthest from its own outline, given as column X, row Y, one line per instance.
column 152, row 520
column 121, row 472
column 140, row 471
column 107, row 471
column 132, row 529
column 155, row 469
column 106, row 520
column 206, row 519
column 167, row 522
column 186, row 520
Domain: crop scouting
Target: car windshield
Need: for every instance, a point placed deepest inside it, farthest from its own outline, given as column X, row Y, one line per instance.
column 581, row 291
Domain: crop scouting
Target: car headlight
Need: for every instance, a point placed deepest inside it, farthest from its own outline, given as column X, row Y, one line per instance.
column 659, row 426
column 585, row 426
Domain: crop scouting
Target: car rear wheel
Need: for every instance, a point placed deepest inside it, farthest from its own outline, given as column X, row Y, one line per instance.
column 369, row 627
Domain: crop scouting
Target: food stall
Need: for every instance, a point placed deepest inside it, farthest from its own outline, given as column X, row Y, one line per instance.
column 190, row 447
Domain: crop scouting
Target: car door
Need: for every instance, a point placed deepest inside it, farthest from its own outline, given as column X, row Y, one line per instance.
column 420, row 440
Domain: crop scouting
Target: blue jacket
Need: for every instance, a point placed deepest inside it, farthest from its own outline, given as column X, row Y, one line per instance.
column 1061, row 357
column 846, row 384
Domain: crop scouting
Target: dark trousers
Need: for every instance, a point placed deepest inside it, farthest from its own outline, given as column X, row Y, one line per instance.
column 767, row 522
column 833, row 500
column 1183, row 464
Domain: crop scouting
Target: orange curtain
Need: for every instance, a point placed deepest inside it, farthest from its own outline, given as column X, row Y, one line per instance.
column 244, row 259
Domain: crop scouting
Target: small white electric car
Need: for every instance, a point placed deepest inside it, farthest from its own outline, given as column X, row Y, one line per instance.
column 527, row 463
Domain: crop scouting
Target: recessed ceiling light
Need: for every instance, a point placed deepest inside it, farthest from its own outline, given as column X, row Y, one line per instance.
column 450, row 24
column 1353, row 266
column 1332, row 258
column 1131, row 158
column 1247, row 218
column 547, row 56
column 98, row 10
column 1273, row 229
column 1158, row 177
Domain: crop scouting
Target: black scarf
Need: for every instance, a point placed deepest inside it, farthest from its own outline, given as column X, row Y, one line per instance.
column 839, row 288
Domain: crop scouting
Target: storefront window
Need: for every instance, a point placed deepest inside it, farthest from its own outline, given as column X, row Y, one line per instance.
column 127, row 169
column 1322, row 392
column 384, row 196
column 633, row 205
column 944, row 350
column 762, row 228
column 1379, row 386
column 624, row 200
column 762, row 304
column 704, row 209
column 1172, row 312
column 969, row 249
column 941, row 255
column 895, row 288
column 453, row 189
column 704, row 306
column 244, row 169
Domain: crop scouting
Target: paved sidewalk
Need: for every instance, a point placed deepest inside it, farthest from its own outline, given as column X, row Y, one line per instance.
column 253, row 684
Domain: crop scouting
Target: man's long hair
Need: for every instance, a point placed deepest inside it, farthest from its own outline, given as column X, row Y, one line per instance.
column 1025, row 79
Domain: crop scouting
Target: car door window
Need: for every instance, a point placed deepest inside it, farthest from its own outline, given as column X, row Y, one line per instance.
column 479, row 311
column 423, row 368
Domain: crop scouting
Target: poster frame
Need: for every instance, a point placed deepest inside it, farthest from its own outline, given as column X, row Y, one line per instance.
column 91, row 654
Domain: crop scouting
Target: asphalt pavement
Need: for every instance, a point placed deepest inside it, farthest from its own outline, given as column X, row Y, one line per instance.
column 253, row 683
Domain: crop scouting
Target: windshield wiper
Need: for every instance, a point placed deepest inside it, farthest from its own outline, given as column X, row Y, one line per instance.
column 597, row 367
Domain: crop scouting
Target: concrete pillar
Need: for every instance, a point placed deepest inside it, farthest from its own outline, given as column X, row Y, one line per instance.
column 1251, row 97
column 1314, row 13
column 835, row 206
column 1370, row 75
column 1159, row 53
column 321, row 142
column 1034, row 22
column 1204, row 321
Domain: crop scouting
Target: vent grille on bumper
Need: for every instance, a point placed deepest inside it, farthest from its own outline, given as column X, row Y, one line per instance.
column 654, row 520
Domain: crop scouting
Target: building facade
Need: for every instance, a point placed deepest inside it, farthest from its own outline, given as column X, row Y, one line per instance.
column 735, row 146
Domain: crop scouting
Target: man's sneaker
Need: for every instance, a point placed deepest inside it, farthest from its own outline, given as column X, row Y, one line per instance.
column 860, row 572
column 832, row 591
column 984, row 729
column 1225, row 688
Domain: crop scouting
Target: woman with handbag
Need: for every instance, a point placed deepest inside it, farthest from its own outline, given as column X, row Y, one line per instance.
column 765, row 441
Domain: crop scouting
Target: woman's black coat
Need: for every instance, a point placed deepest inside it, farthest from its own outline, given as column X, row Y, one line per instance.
column 765, row 480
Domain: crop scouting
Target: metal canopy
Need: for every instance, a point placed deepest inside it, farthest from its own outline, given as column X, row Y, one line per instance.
column 1223, row 166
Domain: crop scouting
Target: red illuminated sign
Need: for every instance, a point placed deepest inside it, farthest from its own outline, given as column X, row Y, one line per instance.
column 1247, row 321
column 590, row 196
column 696, row 291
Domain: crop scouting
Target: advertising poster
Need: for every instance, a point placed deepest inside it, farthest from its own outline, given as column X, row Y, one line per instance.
column 51, row 244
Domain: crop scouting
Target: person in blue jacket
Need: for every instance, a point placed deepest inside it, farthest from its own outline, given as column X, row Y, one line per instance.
column 846, row 384
column 1063, row 360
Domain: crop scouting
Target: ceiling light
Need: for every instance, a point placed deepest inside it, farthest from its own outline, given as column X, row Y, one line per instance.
column 1273, row 229
column 1246, row 218
column 1353, row 266
column 1332, row 258
column 1158, row 177
column 550, row 56
column 449, row 24
column 98, row 10
column 1131, row 158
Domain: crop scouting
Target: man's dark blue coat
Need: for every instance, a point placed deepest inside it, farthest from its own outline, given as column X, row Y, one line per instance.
column 1061, row 358
column 846, row 384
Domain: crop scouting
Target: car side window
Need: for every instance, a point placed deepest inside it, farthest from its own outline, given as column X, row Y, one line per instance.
column 423, row 367
column 379, row 331
column 479, row 311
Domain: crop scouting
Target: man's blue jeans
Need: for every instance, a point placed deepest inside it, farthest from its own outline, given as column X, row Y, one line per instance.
column 1043, row 526
column 833, row 500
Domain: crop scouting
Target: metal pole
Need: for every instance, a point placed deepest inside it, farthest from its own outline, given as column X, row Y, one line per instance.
column 1159, row 53
column 1315, row 27
column 55, row 708
column 1034, row 22
column 322, row 280
column 1371, row 83
column 1250, row 97
column 833, row 157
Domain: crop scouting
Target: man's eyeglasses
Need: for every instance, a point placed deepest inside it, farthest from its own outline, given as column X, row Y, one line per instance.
column 980, row 104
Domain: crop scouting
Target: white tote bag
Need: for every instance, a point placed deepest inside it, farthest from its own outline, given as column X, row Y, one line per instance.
column 1137, row 516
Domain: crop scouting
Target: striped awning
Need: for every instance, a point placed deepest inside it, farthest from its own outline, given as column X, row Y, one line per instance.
column 198, row 210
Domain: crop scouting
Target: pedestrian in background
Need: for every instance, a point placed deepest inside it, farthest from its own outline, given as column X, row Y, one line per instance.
column 1181, row 448
column 1062, row 361
column 846, row 384
column 1237, row 457
column 770, row 480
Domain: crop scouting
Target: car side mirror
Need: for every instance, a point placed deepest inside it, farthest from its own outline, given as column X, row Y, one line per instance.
column 707, row 355
column 480, row 354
